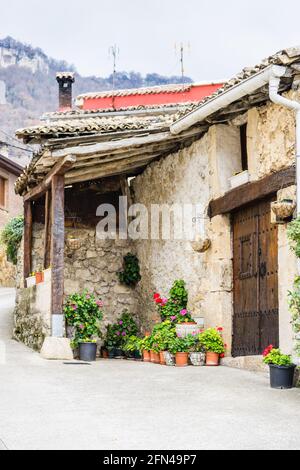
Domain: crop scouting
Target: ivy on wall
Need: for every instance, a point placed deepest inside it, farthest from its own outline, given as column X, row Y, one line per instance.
column 131, row 274
column 11, row 237
column 293, row 233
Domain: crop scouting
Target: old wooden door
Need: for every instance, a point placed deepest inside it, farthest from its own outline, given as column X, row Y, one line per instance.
column 255, row 271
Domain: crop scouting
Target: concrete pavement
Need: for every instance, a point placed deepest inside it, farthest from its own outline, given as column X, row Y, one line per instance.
column 128, row 405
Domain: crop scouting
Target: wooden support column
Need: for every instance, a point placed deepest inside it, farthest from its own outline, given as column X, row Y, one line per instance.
column 57, row 254
column 27, row 237
column 47, row 236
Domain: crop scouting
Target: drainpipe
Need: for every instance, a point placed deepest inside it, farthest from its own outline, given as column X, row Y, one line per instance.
column 295, row 106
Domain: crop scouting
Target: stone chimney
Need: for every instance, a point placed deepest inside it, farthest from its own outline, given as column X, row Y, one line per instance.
column 65, row 81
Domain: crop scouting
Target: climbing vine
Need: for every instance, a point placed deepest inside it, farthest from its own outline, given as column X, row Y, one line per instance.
column 11, row 237
column 131, row 274
column 293, row 233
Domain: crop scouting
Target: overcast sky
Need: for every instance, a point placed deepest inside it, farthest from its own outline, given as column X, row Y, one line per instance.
column 224, row 36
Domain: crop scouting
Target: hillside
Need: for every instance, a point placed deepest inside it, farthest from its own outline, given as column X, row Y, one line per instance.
column 31, row 88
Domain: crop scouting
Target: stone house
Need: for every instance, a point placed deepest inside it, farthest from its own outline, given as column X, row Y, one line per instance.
column 10, row 206
column 232, row 154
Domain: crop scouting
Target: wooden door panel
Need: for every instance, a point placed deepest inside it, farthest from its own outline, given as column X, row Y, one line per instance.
column 255, row 271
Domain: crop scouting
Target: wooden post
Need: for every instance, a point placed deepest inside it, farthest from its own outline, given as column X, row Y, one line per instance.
column 47, row 236
column 27, row 238
column 57, row 254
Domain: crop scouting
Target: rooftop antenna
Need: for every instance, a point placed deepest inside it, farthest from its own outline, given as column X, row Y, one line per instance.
column 114, row 52
column 180, row 50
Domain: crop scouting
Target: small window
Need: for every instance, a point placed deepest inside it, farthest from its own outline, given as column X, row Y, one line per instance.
column 2, row 192
column 244, row 150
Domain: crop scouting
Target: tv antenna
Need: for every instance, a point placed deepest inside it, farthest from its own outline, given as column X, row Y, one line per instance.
column 114, row 52
column 180, row 50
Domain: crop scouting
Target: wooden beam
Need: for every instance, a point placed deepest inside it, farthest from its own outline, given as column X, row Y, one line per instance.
column 47, row 235
column 27, row 238
column 252, row 191
column 59, row 169
column 57, row 244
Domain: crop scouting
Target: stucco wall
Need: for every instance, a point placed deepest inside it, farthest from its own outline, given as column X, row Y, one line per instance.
column 14, row 206
column 271, row 138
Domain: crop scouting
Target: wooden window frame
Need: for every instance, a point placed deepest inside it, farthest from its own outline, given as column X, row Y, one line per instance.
column 5, row 177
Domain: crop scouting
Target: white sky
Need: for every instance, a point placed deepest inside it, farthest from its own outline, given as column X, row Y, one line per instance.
column 224, row 35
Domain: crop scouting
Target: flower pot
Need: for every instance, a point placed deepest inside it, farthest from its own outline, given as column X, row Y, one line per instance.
column 169, row 358
column 181, row 359
column 111, row 353
column 212, row 359
column 154, row 357
column 30, row 281
column 162, row 359
column 39, row 278
column 104, row 353
column 197, row 359
column 282, row 377
column 87, row 352
column 185, row 329
column 119, row 353
column 146, row 356
column 137, row 355
column 47, row 275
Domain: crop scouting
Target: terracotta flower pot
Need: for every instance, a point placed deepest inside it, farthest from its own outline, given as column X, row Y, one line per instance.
column 39, row 277
column 181, row 359
column 104, row 353
column 154, row 356
column 162, row 358
column 146, row 356
column 212, row 359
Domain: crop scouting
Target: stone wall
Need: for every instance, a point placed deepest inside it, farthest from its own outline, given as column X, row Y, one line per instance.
column 189, row 177
column 7, row 270
column 93, row 266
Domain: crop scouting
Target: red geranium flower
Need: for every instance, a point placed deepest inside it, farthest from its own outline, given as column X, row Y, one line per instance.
column 156, row 296
column 268, row 350
column 220, row 328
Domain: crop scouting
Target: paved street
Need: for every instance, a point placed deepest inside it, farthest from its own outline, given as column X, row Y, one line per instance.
column 128, row 405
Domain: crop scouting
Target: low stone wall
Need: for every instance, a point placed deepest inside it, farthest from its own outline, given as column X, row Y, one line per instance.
column 7, row 271
column 33, row 315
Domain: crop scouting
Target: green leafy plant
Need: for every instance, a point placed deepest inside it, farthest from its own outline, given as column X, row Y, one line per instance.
column 179, row 345
column 131, row 274
column 132, row 344
column 145, row 343
column 84, row 312
column 118, row 332
column 293, row 233
column 275, row 357
column 163, row 334
column 11, row 237
column 211, row 340
column 174, row 308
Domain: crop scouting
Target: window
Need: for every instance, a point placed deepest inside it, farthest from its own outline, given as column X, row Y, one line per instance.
column 244, row 151
column 2, row 192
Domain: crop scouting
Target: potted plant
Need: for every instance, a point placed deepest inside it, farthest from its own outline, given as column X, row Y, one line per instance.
column 164, row 333
column 39, row 276
column 282, row 369
column 118, row 333
column 132, row 347
column 31, row 280
column 212, row 342
column 145, row 348
column 179, row 347
column 84, row 312
column 87, row 349
column 154, row 349
column 196, row 351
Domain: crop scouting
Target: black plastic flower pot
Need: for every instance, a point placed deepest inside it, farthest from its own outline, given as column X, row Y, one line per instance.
column 282, row 377
column 119, row 352
column 111, row 353
column 87, row 352
column 137, row 355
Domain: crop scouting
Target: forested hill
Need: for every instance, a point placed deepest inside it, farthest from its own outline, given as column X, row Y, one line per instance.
column 31, row 88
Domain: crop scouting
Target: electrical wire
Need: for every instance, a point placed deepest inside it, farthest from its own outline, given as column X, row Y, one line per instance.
column 16, row 147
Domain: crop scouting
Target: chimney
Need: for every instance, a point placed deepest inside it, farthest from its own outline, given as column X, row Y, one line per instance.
column 65, row 81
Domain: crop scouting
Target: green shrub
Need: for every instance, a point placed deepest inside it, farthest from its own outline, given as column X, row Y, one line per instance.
column 118, row 332
column 11, row 237
column 84, row 312
column 275, row 357
column 212, row 341
column 131, row 274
